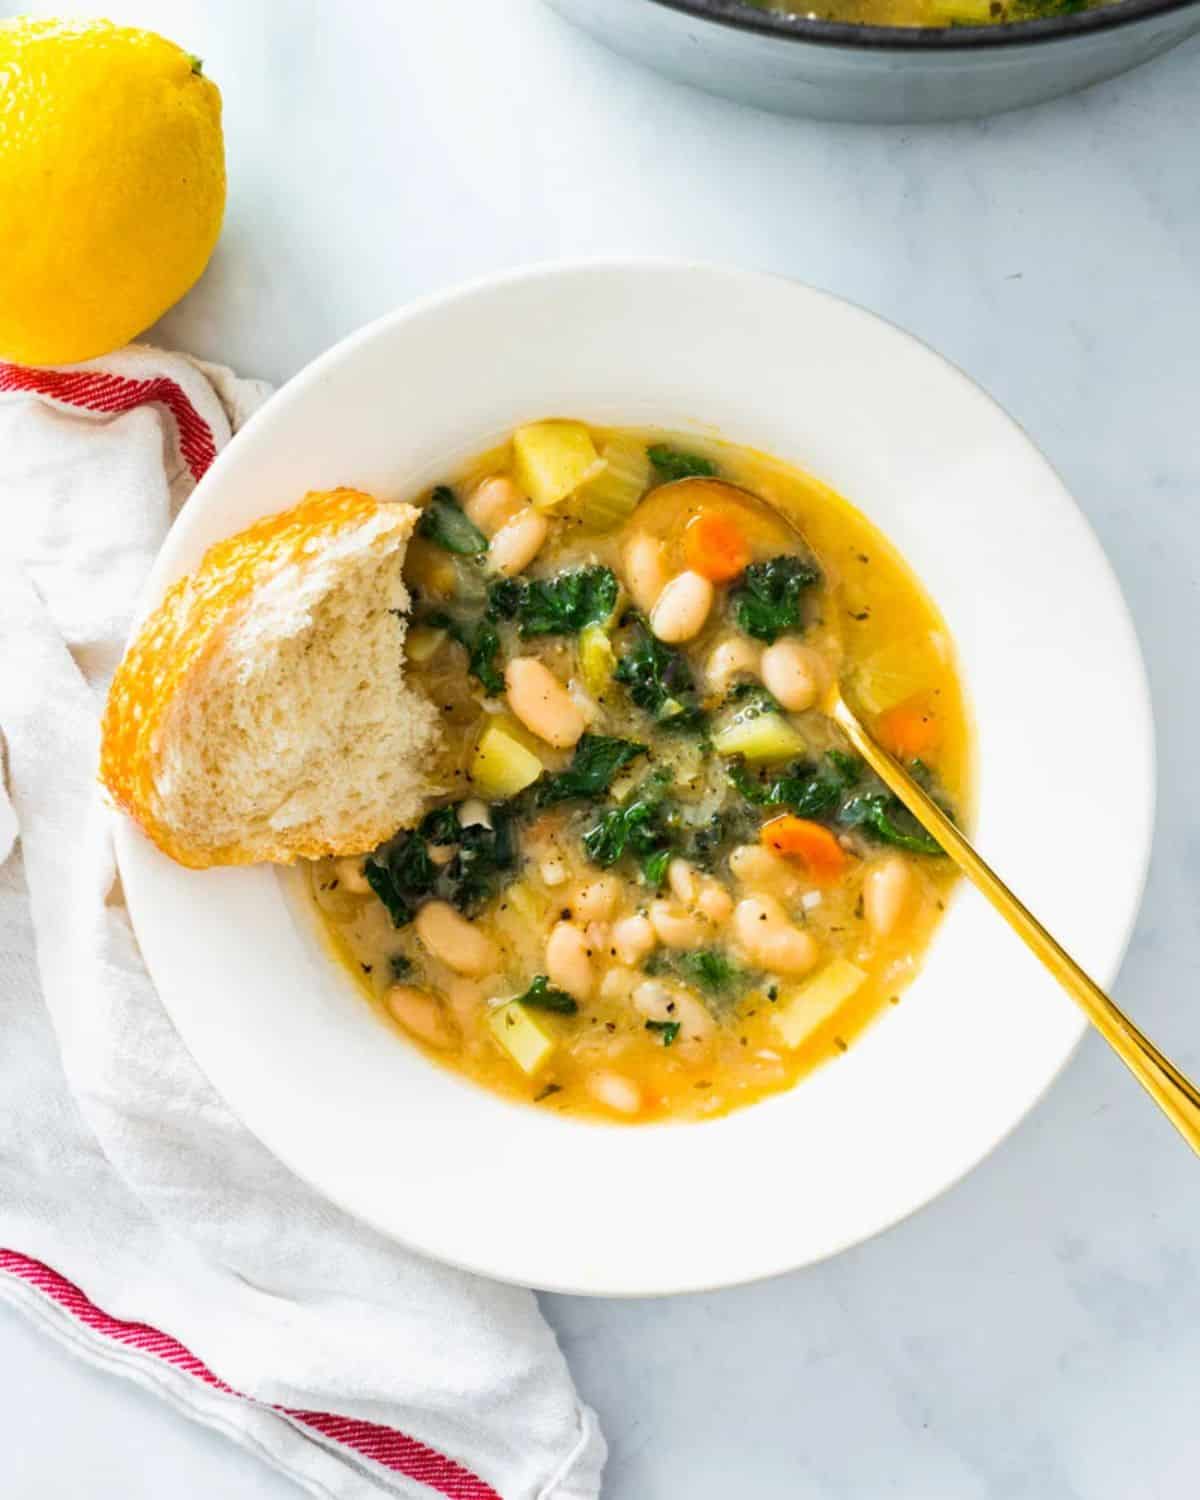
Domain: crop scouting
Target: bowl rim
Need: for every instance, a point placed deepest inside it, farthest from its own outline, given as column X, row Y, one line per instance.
column 851, row 35
column 136, row 858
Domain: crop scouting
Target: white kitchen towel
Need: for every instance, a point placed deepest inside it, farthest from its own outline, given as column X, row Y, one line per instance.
column 139, row 1222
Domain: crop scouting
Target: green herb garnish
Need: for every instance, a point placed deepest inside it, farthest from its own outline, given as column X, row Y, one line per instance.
column 668, row 1030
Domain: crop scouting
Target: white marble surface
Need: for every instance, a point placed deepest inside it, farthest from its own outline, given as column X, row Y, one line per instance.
column 1033, row 1335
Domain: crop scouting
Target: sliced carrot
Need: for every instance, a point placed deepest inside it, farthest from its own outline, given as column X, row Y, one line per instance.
column 811, row 843
column 715, row 546
column 910, row 730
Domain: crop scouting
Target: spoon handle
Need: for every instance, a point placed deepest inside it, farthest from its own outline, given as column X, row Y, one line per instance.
column 1174, row 1094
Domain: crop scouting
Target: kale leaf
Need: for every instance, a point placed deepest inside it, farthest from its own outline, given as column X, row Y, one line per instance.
column 885, row 818
column 659, row 679
column 810, row 791
column 404, row 877
column 770, row 598
column 709, row 969
column 562, row 605
column 541, row 995
column 597, row 760
column 479, row 639
column 672, row 463
column 643, row 825
column 445, row 522
column 839, row 790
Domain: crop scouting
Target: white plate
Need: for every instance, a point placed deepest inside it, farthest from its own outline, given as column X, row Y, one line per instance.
column 1060, row 697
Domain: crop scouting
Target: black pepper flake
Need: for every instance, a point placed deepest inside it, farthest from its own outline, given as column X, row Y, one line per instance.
column 703, row 1083
column 863, row 558
column 366, row 968
column 893, row 999
column 610, row 1026
column 670, row 1007
column 839, row 1044
column 565, row 914
column 551, row 1088
column 333, row 884
column 860, row 615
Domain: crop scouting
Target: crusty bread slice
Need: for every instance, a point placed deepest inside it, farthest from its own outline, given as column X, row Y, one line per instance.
column 261, row 712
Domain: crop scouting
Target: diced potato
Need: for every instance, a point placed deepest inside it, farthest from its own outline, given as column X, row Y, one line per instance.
column 762, row 737
column 552, row 459
column 816, row 1000
column 501, row 765
column 612, row 493
column 423, row 642
column 897, row 671
column 523, row 1038
column 597, row 660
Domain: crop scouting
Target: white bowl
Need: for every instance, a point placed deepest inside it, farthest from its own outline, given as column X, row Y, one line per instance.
column 1060, row 697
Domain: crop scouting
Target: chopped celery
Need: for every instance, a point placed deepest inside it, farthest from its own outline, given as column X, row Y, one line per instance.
column 501, row 765
column 422, row 643
column 597, row 659
column 552, row 459
column 612, row 493
column 761, row 737
column 522, row 1037
column 815, row 1001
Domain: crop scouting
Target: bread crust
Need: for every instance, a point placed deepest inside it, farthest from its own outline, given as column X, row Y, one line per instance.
column 174, row 647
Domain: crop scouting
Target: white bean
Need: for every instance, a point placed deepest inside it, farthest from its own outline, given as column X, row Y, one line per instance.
column 668, row 1002
column 634, row 939
column 351, row 875
column 615, row 1092
column 518, row 542
column 759, row 869
column 714, row 901
column 675, row 927
column 569, row 961
column 888, row 890
column 419, row 1013
column 597, row 900
column 448, row 936
column 770, row 940
column 493, row 502
column 618, row 982
column 733, row 658
column 681, row 609
column 794, row 674
column 542, row 704
column 645, row 570
column 681, row 877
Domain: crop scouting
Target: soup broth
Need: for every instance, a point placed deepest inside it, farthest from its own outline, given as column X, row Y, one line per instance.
column 655, row 883
column 927, row 12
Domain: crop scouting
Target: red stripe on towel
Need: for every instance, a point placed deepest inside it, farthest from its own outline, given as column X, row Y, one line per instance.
column 95, row 390
column 382, row 1445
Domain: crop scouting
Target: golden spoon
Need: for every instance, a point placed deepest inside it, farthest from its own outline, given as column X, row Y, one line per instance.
column 1174, row 1094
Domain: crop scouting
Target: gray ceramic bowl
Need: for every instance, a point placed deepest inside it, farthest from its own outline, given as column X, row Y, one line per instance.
column 842, row 71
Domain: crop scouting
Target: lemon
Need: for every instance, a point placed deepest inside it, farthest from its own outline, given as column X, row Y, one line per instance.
column 112, row 184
